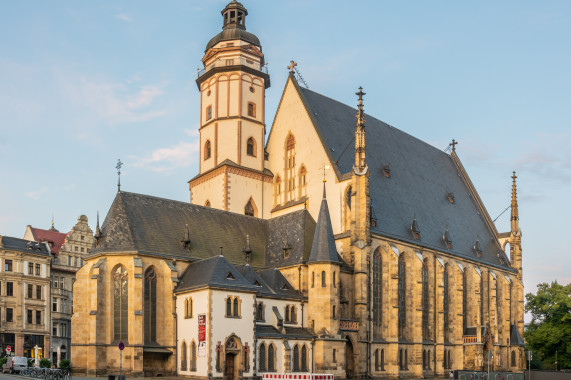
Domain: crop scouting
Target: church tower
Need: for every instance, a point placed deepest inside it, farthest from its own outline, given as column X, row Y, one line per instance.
column 232, row 88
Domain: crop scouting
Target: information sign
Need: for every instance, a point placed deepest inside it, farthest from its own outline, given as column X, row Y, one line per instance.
column 202, row 327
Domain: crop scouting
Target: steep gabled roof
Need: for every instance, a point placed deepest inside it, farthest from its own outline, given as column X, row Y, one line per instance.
column 147, row 224
column 22, row 245
column 54, row 237
column 421, row 180
column 270, row 282
column 214, row 272
column 323, row 249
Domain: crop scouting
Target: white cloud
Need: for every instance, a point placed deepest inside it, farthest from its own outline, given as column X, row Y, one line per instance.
column 35, row 195
column 123, row 16
column 166, row 159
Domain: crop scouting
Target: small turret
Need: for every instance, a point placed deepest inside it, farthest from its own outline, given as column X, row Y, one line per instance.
column 515, row 216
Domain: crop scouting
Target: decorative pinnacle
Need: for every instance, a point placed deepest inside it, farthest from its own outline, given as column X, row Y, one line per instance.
column 291, row 67
column 360, row 116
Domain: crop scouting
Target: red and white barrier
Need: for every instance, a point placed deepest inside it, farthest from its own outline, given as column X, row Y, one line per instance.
column 297, row 376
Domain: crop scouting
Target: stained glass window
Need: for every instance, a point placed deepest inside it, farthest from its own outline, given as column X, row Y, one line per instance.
column 402, row 296
column 377, row 294
column 150, row 306
column 121, row 304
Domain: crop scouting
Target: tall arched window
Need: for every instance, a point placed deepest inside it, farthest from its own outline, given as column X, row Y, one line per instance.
column 402, row 296
column 323, row 279
column 260, row 312
column 262, row 363
column 287, row 313
column 382, row 360
column 193, row 356
column 425, row 307
column 347, row 208
column 251, row 147
column 304, row 358
column 236, row 307
column 150, row 305
column 377, row 294
column 293, row 318
column 250, row 208
column 121, row 305
column 377, row 359
column 207, row 150
column 423, row 359
column 296, row 358
column 482, row 319
column 289, row 172
column 513, row 359
column 229, row 307
column 464, row 300
column 183, row 356
column 446, row 302
column 271, row 358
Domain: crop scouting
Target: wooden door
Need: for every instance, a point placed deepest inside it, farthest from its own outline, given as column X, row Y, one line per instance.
column 229, row 366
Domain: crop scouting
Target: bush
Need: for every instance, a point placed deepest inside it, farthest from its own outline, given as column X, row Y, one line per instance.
column 65, row 364
column 3, row 361
column 45, row 363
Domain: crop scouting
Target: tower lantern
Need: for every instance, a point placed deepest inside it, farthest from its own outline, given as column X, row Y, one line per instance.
column 234, row 16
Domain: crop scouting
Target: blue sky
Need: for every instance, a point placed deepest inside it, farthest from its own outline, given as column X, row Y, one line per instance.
column 83, row 84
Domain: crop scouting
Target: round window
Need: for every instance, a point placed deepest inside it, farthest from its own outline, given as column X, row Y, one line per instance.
column 252, row 89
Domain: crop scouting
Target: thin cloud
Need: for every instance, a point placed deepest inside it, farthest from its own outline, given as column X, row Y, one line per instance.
column 166, row 159
column 35, row 195
column 124, row 17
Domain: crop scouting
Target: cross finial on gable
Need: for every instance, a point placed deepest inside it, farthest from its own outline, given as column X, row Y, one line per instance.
column 453, row 144
column 118, row 167
column 291, row 66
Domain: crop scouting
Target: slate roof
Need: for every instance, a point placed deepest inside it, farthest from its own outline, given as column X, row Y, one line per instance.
column 265, row 331
column 214, row 272
column 146, row 224
column 16, row 244
column 421, row 178
column 55, row 237
column 323, row 249
column 272, row 282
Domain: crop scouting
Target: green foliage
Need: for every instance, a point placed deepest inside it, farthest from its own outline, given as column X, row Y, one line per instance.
column 3, row 361
column 45, row 363
column 550, row 329
column 64, row 364
column 30, row 362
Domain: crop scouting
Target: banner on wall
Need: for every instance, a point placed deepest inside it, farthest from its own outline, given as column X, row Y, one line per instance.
column 201, row 328
column 202, row 349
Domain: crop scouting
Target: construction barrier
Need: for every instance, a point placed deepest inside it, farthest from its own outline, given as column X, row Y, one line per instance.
column 297, row 376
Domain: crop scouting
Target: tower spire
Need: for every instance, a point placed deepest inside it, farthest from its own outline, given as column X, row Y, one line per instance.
column 360, row 164
column 515, row 215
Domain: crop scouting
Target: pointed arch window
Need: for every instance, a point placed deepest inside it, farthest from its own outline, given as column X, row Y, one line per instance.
column 193, row 356
column 402, row 296
column 377, row 294
column 289, row 167
column 277, row 190
column 425, row 306
column 207, row 204
column 271, row 358
column 260, row 312
column 377, row 359
column 382, row 359
column 207, row 150
column 229, row 307
column 323, row 279
column 296, row 358
column 446, row 302
column 464, row 300
column 302, row 181
column 287, row 313
column 304, row 358
column 250, row 208
column 262, row 363
column 150, row 305
column 251, row 147
column 347, row 208
column 236, row 307
column 513, row 359
column 482, row 320
column 183, row 356
column 121, row 304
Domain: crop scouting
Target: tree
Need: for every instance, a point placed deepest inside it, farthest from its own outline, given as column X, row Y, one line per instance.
column 550, row 328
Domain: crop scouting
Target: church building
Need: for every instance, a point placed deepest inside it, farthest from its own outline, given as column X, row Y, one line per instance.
column 301, row 250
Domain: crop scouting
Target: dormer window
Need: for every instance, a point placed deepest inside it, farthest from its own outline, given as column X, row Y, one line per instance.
column 446, row 238
column 230, row 276
column 387, row 171
column 450, row 197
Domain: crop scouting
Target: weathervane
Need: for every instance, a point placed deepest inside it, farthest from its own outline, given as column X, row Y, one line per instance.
column 118, row 167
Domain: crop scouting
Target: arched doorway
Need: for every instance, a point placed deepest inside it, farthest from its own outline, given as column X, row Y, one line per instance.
column 349, row 359
column 232, row 349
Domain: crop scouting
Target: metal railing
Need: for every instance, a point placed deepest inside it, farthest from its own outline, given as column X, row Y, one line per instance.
column 221, row 62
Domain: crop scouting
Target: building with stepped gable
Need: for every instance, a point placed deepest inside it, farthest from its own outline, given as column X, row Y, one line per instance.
column 385, row 265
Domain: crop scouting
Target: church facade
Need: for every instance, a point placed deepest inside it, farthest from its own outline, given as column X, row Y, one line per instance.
column 338, row 245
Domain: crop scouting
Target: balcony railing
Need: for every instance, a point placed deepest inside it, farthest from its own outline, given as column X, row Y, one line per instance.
column 233, row 62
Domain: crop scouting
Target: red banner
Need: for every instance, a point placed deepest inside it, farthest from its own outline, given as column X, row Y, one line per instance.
column 202, row 327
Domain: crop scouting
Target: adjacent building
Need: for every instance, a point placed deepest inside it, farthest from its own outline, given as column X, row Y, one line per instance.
column 68, row 252
column 24, row 297
column 341, row 245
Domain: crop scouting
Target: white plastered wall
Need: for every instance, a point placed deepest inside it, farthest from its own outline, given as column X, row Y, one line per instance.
column 187, row 331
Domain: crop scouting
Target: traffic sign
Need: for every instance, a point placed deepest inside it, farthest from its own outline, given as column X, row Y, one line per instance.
column 121, row 346
column 8, row 349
